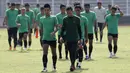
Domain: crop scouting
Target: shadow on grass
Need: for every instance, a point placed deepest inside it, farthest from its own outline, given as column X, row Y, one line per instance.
column 114, row 58
column 77, row 70
column 23, row 52
column 99, row 43
column 63, row 60
column 90, row 60
column 50, row 72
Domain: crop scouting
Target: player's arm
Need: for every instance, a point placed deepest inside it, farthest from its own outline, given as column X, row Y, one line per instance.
column 121, row 13
column 104, row 23
column 29, row 23
column 37, row 19
column 33, row 19
column 86, row 30
column 79, row 29
column 56, row 25
column 5, row 19
column 41, row 26
column 18, row 21
column 63, row 27
column 95, row 22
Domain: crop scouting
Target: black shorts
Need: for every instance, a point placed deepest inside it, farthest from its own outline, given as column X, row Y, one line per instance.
column 12, row 32
column 30, row 31
column 113, row 35
column 50, row 43
column 21, row 35
column 90, row 36
column 100, row 25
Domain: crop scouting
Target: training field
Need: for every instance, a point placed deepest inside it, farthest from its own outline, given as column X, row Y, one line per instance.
column 30, row 62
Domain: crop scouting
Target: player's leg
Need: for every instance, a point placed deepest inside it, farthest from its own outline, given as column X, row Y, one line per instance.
column 41, row 38
column 115, row 39
column 96, row 32
column 45, row 53
column 15, row 37
column 20, row 40
column 60, row 47
column 25, row 40
column 54, row 54
column 90, row 37
column 30, row 38
column 80, row 57
column 110, row 44
column 72, row 47
column 101, row 32
column 85, row 51
column 9, row 38
column 66, row 51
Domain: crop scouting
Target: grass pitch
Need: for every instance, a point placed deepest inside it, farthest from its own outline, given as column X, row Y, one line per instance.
column 31, row 62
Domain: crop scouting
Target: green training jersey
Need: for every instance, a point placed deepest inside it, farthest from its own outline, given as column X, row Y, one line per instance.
column 112, row 22
column 60, row 17
column 48, row 24
column 31, row 15
column 91, row 16
column 11, row 17
column 24, row 21
column 83, row 23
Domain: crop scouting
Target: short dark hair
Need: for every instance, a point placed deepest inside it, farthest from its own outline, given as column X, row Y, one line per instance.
column 113, row 7
column 12, row 4
column 17, row 4
column 78, row 6
column 76, row 3
column 47, row 6
column 62, row 6
column 69, row 8
column 27, row 5
column 38, row 5
column 87, row 5
column 42, row 8
column 109, row 5
column 8, row 3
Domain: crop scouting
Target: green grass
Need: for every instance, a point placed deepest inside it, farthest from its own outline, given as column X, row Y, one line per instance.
column 17, row 62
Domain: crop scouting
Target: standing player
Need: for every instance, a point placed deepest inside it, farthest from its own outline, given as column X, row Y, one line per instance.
column 48, row 27
column 83, row 23
column 23, row 20
column 112, row 22
column 100, row 13
column 7, row 7
column 71, row 25
column 10, row 18
column 36, row 11
column 109, row 9
column 60, row 17
column 30, row 13
column 39, row 15
column 91, row 16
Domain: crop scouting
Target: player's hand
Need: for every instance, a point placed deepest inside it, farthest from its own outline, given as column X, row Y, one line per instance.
column 4, row 23
column 60, row 25
column 86, row 41
column 53, row 33
column 7, row 27
column 61, row 40
column 18, row 25
column 117, row 7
